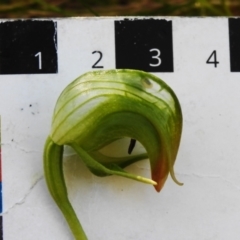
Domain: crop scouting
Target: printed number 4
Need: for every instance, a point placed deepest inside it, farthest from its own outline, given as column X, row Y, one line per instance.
column 213, row 59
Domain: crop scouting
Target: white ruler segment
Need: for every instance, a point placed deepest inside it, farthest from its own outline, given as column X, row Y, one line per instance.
column 208, row 163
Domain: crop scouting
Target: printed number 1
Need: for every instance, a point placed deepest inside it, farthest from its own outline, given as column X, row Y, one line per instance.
column 39, row 55
column 213, row 58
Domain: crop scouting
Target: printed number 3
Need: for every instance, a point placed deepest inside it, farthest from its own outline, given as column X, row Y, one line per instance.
column 157, row 56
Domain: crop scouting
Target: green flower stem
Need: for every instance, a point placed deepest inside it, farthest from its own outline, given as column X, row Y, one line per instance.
column 56, row 184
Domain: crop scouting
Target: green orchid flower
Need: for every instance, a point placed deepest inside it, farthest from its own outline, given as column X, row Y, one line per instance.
column 100, row 107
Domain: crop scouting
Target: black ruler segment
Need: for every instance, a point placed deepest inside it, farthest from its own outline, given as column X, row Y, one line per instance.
column 28, row 46
column 1, row 194
column 234, row 43
column 1, row 228
column 144, row 44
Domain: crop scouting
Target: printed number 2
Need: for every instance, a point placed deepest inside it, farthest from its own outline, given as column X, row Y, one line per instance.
column 99, row 59
column 39, row 55
column 157, row 56
column 213, row 58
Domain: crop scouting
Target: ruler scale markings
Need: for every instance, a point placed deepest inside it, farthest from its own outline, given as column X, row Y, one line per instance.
column 234, row 44
column 144, row 44
column 1, row 203
column 1, row 228
column 28, row 47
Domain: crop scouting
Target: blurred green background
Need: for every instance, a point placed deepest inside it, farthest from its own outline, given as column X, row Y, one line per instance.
column 68, row 8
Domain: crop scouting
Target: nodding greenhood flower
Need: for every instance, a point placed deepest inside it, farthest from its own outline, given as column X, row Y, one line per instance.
column 102, row 106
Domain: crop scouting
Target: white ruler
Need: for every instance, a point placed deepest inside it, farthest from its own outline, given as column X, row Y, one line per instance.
column 198, row 57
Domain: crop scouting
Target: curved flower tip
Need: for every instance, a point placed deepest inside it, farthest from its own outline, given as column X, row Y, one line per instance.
column 102, row 106
column 160, row 173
